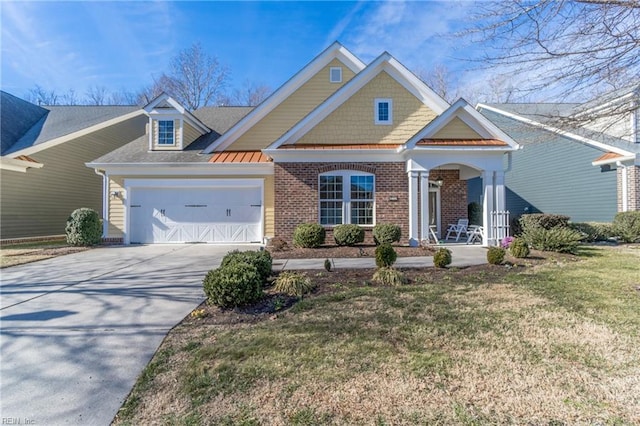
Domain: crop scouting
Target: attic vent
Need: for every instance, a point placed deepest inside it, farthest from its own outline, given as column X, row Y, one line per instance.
column 335, row 74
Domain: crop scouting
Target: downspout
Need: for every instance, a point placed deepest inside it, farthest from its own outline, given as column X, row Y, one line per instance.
column 105, row 202
column 625, row 186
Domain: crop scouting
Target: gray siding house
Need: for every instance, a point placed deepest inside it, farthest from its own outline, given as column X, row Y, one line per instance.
column 586, row 174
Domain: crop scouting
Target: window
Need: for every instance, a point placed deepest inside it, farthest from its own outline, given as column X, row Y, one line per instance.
column 383, row 111
column 346, row 197
column 335, row 75
column 165, row 132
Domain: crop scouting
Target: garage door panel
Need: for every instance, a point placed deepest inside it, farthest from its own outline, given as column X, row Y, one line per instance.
column 175, row 215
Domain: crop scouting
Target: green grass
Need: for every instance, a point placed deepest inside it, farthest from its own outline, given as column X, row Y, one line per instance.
column 545, row 345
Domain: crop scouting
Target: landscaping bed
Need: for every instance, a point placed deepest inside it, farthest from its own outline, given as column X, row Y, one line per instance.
column 337, row 252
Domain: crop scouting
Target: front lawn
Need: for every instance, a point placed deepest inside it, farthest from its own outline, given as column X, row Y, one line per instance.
column 18, row 254
column 555, row 341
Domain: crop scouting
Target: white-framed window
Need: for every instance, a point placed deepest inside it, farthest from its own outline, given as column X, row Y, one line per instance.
column 166, row 132
column 383, row 111
column 346, row 197
column 335, row 75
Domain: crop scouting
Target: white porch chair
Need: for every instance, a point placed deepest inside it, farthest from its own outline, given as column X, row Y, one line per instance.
column 475, row 233
column 458, row 229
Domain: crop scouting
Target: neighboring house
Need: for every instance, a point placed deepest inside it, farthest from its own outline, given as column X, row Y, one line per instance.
column 43, row 176
column 339, row 142
column 588, row 172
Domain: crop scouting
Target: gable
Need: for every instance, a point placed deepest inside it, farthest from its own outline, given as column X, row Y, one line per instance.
column 295, row 107
column 353, row 121
column 456, row 129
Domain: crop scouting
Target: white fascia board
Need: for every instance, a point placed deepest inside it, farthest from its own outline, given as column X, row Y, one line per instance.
column 472, row 118
column 599, row 145
column 151, row 111
column 191, row 183
column 623, row 159
column 78, row 134
column 150, row 107
column 335, row 156
column 466, row 148
column 336, row 50
column 612, row 102
column 384, row 62
column 16, row 165
column 173, row 169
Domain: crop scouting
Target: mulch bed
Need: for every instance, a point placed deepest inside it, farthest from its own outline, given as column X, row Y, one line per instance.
column 335, row 252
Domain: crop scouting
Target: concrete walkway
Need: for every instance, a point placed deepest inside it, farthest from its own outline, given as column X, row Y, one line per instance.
column 462, row 255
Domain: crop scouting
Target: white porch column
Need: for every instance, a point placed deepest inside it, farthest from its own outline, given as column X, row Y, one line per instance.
column 424, row 205
column 500, row 201
column 487, row 207
column 413, row 208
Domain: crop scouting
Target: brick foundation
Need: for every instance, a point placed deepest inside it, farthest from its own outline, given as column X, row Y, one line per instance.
column 296, row 195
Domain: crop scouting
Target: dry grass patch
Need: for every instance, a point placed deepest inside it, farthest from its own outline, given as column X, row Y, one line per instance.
column 558, row 344
column 19, row 254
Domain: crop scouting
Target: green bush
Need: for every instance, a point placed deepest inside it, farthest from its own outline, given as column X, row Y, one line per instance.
column 593, row 231
column 544, row 220
column 495, row 255
column 519, row 248
column 474, row 213
column 308, row 235
column 293, row 283
column 235, row 284
column 386, row 233
column 626, row 226
column 84, row 227
column 385, row 256
column 442, row 258
column 260, row 259
column 561, row 240
column 389, row 276
column 348, row 235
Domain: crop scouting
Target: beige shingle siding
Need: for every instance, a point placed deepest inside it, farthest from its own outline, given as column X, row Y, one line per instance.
column 190, row 134
column 353, row 121
column 38, row 202
column 456, row 129
column 292, row 109
column 117, row 211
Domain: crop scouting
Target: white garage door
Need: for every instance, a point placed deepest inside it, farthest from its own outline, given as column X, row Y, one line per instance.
column 184, row 215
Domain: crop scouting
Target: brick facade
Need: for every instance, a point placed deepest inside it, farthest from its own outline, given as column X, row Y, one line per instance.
column 633, row 186
column 296, row 194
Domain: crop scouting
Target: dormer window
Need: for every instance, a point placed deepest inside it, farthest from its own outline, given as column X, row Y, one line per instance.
column 335, row 75
column 383, row 111
column 166, row 134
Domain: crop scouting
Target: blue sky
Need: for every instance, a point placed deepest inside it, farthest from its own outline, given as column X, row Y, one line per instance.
column 123, row 45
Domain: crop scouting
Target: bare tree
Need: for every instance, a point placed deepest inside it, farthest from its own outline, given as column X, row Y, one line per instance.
column 195, row 78
column 440, row 80
column 70, row 98
column 250, row 94
column 41, row 96
column 97, row 95
column 564, row 50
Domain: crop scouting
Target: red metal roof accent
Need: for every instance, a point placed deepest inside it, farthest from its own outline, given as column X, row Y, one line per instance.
column 239, row 157
column 335, row 146
column 607, row 156
column 461, row 142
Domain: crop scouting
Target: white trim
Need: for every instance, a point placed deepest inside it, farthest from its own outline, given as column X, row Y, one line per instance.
column 150, row 110
column 335, row 51
column 472, row 118
column 376, row 111
column 83, row 132
column 625, row 186
column 331, row 71
column 193, row 169
column 413, row 208
column 384, row 62
column 15, row 165
column 346, row 195
column 600, row 145
column 335, row 155
column 613, row 160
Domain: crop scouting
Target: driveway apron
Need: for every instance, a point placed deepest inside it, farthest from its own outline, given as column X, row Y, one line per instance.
column 75, row 331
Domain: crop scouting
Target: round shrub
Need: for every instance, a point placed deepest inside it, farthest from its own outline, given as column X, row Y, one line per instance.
column 519, row 248
column 308, row 235
column 260, row 259
column 348, row 235
column 235, row 284
column 385, row 256
column 386, row 233
column 495, row 255
column 626, row 226
column 84, row 227
column 442, row 258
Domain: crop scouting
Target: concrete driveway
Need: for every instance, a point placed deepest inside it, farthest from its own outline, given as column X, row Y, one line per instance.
column 77, row 330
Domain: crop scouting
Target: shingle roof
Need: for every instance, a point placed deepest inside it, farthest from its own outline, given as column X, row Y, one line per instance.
column 17, row 117
column 221, row 119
